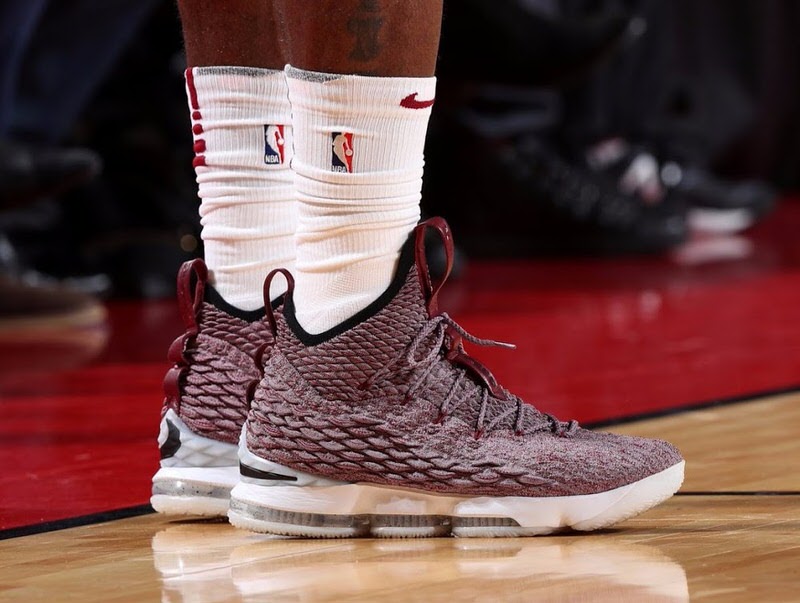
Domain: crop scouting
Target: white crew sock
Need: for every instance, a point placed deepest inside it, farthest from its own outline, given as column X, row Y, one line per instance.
column 248, row 207
column 358, row 174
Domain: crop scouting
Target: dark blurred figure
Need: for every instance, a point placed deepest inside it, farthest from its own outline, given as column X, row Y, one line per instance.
column 52, row 79
column 56, row 71
column 137, row 222
column 658, row 116
column 599, row 126
column 28, row 171
column 47, row 75
column 505, row 127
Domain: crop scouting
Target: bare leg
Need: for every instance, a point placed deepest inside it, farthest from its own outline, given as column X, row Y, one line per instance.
column 235, row 32
column 390, row 38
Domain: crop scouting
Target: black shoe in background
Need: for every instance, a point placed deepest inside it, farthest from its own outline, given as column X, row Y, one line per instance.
column 520, row 197
column 715, row 205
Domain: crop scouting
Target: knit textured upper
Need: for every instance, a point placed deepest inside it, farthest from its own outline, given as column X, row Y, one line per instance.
column 218, row 362
column 384, row 402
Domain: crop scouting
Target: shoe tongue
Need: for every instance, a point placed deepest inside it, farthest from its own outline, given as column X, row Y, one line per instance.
column 338, row 361
column 343, row 358
column 395, row 318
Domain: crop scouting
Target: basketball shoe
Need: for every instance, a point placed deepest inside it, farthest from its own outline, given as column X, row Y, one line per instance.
column 385, row 426
column 218, row 362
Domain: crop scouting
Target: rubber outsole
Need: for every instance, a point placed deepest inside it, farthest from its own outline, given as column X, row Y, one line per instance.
column 197, row 473
column 375, row 511
column 202, row 491
column 186, row 505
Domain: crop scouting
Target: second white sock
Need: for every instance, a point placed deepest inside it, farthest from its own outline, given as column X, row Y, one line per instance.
column 241, row 123
column 358, row 163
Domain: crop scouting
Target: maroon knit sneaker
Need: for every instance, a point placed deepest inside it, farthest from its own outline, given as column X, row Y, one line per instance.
column 218, row 362
column 385, row 426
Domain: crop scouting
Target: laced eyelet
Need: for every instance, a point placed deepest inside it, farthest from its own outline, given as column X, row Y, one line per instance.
column 440, row 418
column 478, row 434
column 519, row 433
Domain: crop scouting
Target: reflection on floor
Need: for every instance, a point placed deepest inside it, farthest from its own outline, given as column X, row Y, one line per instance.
column 597, row 340
column 698, row 547
column 712, row 548
column 407, row 570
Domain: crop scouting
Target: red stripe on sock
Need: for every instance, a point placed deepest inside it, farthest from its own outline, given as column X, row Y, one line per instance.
column 192, row 90
column 197, row 128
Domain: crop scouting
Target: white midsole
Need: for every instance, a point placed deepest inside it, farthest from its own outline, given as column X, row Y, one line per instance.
column 212, row 476
column 190, row 505
column 358, row 499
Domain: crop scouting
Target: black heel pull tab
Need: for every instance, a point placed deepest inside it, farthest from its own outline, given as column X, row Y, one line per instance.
column 268, row 307
column 430, row 289
column 192, row 278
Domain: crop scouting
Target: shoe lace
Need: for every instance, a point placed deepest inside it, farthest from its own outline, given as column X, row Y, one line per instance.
column 447, row 338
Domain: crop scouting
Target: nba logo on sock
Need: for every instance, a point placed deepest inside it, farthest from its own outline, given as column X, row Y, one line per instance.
column 274, row 144
column 342, row 152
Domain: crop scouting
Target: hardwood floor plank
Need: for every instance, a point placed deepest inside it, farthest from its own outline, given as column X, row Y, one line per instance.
column 749, row 446
column 709, row 548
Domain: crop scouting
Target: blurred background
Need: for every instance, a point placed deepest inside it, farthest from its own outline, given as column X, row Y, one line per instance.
column 589, row 129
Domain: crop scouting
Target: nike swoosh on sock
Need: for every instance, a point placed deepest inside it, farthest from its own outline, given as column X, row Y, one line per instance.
column 411, row 102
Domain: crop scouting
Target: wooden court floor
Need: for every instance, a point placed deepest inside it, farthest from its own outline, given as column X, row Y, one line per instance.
column 732, row 534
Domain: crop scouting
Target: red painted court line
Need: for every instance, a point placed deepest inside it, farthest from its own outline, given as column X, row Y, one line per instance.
column 81, row 441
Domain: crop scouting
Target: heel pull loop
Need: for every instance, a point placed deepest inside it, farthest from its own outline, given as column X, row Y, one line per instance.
column 190, row 295
column 429, row 288
column 269, row 310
